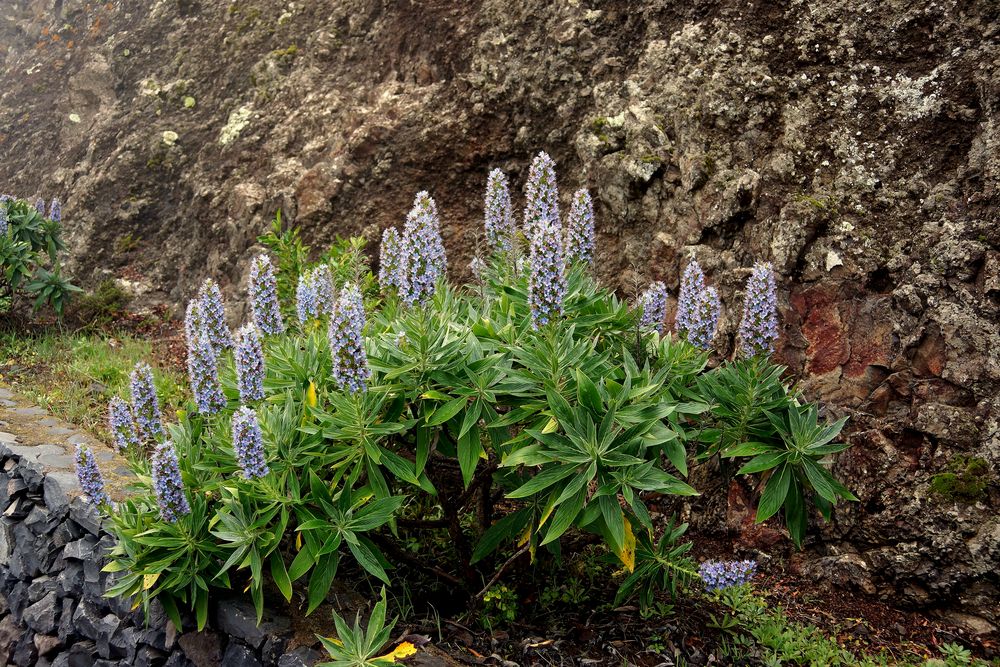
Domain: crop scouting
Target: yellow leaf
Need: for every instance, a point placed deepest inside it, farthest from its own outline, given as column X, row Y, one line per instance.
column 548, row 511
column 149, row 580
column 181, row 414
column 551, row 426
column 404, row 650
column 298, row 541
column 311, row 394
column 627, row 553
column 525, row 536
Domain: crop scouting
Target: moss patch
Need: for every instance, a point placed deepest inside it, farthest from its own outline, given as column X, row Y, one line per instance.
column 966, row 479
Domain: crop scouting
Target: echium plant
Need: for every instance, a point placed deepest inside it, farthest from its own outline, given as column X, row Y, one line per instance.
column 423, row 259
column 4, row 226
column 248, row 360
column 389, row 260
column 213, row 316
column 167, row 483
column 202, row 359
column 145, row 404
column 322, row 280
column 264, row 297
column 692, row 285
column 580, row 228
column 705, row 319
column 55, row 210
column 122, row 425
column 759, row 325
column 547, row 278
column 542, row 195
column 248, row 443
column 350, row 364
column 89, row 476
column 499, row 216
column 654, row 306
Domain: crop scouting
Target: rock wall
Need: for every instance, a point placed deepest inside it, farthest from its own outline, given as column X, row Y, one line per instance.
column 853, row 144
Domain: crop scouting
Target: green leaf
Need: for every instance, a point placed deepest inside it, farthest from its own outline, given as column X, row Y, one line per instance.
column 447, row 411
column 543, row 480
column 763, row 462
column 588, row 394
column 506, row 529
column 280, row 576
column 564, row 516
column 774, row 493
column 321, row 580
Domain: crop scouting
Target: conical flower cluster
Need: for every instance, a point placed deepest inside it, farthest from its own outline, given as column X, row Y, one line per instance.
column 654, row 306
column 248, row 443
column 719, row 575
column 542, row 195
column 322, row 279
column 389, row 259
column 705, row 320
column 40, row 206
column 145, row 404
column 167, row 483
column 213, row 314
column 264, row 297
column 55, row 211
column 422, row 260
column 499, row 214
column 547, row 277
column 692, row 284
column 580, row 228
column 759, row 325
column 89, row 476
column 249, row 358
column 4, row 225
column 121, row 425
column 306, row 299
column 202, row 361
column 350, row 363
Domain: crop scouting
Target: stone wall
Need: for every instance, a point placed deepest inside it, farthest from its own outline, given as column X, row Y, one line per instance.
column 53, row 612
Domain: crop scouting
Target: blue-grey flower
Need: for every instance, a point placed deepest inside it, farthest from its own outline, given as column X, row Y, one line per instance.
column 167, row 483
column 580, row 228
column 40, row 206
column 145, row 404
column 705, row 320
column 423, row 259
column 654, row 306
column 264, row 296
column 389, row 259
column 759, row 326
column 204, row 374
column 541, row 195
column 718, row 575
column 89, row 476
column 248, row 443
column 306, row 301
column 350, row 363
column 249, row 358
column 213, row 314
column 322, row 280
column 4, row 225
column 692, row 284
column 499, row 216
column 122, row 425
column 55, row 211
column 547, row 276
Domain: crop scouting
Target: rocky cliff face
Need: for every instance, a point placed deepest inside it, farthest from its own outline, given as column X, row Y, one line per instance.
column 853, row 144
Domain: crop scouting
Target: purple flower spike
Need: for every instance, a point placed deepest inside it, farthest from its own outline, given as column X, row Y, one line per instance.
column 248, row 444
column 89, row 476
column 4, row 225
column 55, row 211
column 547, row 278
column 264, row 297
column 499, row 215
column 422, row 259
column 306, row 299
column 706, row 319
column 167, row 483
column 580, row 228
column 249, row 359
column 759, row 326
column 204, row 375
column 322, row 280
column 718, row 575
column 350, row 363
column 692, row 284
column 654, row 306
column 145, row 404
column 214, row 316
column 542, row 195
column 121, row 425
column 40, row 206
column 389, row 259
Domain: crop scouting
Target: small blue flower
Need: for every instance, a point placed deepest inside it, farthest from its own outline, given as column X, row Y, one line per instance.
column 422, row 258
column 145, row 404
column 248, row 443
column 499, row 217
column 542, row 195
column 89, row 476
column 706, row 319
column 759, row 325
column 40, row 206
column 204, row 374
column 350, row 363
column 213, row 314
column 122, row 425
column 306, row 299
column 4, row 225
column 547, row 277
column 167, row 483
column 580, row 228
column 692, row 284
column 322, row 280
column 389, row 259
column 249, row 358
column 654, row 306
column 55, row 211
column 718, row 575
column 264, row 297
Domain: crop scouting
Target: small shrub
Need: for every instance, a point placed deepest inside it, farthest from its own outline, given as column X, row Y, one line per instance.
column 103, row 305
